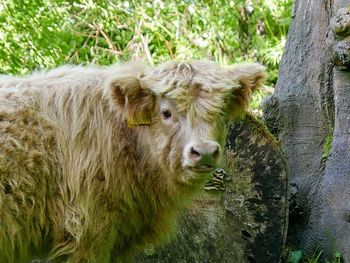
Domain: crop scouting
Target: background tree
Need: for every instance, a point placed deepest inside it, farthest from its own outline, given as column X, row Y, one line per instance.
column 310, row 114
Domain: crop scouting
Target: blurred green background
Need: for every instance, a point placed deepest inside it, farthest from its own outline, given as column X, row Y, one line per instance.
column 37, row 34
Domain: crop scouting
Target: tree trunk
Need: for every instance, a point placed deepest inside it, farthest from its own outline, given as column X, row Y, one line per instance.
column 310, row 114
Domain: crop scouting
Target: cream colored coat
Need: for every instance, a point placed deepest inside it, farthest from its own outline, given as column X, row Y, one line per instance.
column 88, row 171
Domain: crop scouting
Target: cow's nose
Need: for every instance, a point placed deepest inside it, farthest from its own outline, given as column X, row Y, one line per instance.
column 205, row 153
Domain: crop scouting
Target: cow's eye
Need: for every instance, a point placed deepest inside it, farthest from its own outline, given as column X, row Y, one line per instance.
column 166, row 114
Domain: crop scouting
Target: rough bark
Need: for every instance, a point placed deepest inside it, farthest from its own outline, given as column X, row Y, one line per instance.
column 310, row 114
column 241, row 215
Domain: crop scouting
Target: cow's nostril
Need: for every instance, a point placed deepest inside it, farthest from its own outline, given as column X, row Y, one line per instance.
column 194, row 152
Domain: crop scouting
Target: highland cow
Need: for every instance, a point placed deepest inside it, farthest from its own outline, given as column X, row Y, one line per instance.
column 96, row 163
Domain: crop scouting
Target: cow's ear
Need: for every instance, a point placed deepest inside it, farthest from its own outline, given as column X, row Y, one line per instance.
column 135, row 100
column 249, row 78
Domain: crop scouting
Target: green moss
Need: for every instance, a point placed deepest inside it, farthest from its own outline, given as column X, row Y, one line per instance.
column 327, row 146
column 150, row 251
column 261, row 128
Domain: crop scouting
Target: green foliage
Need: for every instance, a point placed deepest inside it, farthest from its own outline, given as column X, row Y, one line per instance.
column 46, row 33
column 297, row 256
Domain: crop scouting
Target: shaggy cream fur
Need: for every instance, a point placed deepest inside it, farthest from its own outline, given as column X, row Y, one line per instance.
column 90, row 171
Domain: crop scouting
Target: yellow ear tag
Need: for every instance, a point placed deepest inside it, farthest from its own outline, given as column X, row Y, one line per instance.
column 132, row 123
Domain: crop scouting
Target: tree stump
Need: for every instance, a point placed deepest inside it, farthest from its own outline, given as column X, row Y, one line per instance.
column 241, row 216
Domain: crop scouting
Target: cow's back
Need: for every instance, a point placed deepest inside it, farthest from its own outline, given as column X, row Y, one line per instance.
column 37, row 123
column 26, row 160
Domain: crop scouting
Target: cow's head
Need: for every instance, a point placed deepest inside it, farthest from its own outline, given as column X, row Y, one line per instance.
column 182, row 108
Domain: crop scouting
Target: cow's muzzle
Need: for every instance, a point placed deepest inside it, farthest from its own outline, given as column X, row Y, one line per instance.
column 202, row 156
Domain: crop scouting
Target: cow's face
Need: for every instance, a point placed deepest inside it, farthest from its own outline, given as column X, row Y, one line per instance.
column 183, row 109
